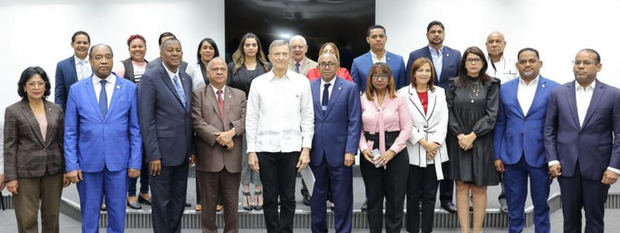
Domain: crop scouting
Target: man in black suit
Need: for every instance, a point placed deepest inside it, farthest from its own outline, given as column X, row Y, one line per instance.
column 164, row 103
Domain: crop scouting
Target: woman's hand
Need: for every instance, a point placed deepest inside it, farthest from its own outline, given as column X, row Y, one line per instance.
column 385, row 158
column 467, row 141
column 368, row 156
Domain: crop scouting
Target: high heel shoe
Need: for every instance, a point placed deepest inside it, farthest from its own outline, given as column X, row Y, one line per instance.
column 259, row 200
column 246, row 201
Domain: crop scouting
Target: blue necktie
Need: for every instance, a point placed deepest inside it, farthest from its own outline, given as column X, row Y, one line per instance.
column 177, row 85
column 325, row 101
column 103, row 99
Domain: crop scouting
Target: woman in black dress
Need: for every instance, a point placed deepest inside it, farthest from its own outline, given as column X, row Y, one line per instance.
column 473, row 105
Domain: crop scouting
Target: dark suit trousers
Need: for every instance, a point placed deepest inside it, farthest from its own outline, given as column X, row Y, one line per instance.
column 341, row 181
column 168, row 191
column 446, row 186
column 421, row 187
column 46, row 189
column 144, row 181
column 391, row 184
column 278, row 174
column 515, row 178
column 579, row 192
column 219, row 184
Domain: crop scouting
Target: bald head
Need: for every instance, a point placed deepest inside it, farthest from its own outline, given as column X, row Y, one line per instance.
column 495, row 45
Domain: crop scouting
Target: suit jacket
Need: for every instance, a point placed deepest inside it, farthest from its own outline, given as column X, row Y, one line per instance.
column 307, row 64
column 128, row 65
column 26, row 153
column 157, row 62
column 596, row 144
column 211, row 156
column 337, row 129
column 451, row 59
column 361, row 65
column 517, row 134
column 165, row 124
column 66, row 75
column 93, row 141
column 432, row 126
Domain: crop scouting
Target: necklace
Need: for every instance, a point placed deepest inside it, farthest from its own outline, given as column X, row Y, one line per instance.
column 475, row 89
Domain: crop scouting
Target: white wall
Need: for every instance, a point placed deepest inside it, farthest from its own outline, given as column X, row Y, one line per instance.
column 557, row 29
column 37, row 32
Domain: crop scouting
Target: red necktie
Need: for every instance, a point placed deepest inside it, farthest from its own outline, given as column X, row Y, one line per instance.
column 220, row 104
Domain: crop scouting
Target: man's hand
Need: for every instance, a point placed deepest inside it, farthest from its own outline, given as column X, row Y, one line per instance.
column 74, row 176
column 192, row 159
column 155, row 167
column 499, row 165
column 2, row 184
column 304, row 159
column 253, row 161
column 609, row 177
column 368, row 156
column 65, row 181
column 555, row 170
column 225, row 137
column 12, row 186
column 133, row 173
column 349, row 159
column 385, row 158
column 230, row 145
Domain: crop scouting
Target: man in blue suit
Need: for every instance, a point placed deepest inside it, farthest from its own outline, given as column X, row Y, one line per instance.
column 376, row 38
column 164, row 100
column 102, row 141
column 72, row 69
column 518, row 132
column 337, row 121
column 446, row 62
column 582, row 140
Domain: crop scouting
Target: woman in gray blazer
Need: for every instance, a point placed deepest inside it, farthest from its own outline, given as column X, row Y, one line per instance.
column 33, row 153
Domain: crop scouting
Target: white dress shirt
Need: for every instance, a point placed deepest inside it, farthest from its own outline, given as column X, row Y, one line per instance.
column 280, row 115
column 109, row 87
column 329, row 91
column 526, row 92
column 171, row 75
column 375, row 59
column 505, row 69
column 82, row 70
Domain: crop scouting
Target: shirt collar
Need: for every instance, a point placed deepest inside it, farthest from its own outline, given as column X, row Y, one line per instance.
column 533, row 82
column 374, row 55
column 273, row 75
column 330, row 82
column 78, row 60
column 431, row 49
column 170, row 72
column 215, row 89
column 111, row 79
column 588, row 88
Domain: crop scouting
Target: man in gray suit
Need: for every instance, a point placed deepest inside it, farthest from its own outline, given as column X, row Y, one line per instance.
column 164, row 103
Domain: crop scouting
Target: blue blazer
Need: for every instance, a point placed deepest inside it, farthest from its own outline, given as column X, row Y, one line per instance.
column 361, row 66
column 337, row 129
column 165, row 124
column 450, row 64
column 517, row 134
column 66, row 75
column 93, row 141
column 591, row 144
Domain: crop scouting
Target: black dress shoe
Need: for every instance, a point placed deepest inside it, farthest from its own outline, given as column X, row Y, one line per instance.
column 142, row 200
column 449, row 206
column 365, row 206
column 307, row 200
column 134, row 205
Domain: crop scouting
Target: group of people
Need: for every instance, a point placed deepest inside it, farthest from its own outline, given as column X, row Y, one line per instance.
column 473, row 120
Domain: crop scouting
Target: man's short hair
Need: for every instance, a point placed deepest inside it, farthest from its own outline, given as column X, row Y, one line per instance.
column 277, row 43
column 598, row 56
column 79, row 33
column 90, row 52
column 161, row 46
column 216, row 59
column 433, row 23
column 165, row 34
column 528, row 49
column 375, row 27
column 298, row 37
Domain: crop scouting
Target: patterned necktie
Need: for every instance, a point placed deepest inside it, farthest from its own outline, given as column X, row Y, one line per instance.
column 177, row 86
column 220, row 104
column 325, row 100
column 103, row 99
column 297, row 67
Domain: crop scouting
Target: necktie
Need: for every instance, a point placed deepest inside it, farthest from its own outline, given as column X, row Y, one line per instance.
column 297, row 67
column 103, row 99
column 220, row 104
column 325, row 100
column 177, row 86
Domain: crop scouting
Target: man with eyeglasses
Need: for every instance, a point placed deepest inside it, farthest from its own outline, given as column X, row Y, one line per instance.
column 446, row 63
column 518, row 151
column 337, row 122
column 500, row 65
column 299, row 62
column 582, row 141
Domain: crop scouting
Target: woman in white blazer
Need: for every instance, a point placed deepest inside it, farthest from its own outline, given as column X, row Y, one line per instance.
column 426, row 147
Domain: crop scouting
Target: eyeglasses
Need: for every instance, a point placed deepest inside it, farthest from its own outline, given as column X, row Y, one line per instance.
column 380, row 76
column 473, row 60
column 330, row 64
column 584, row 62
column 35, row 84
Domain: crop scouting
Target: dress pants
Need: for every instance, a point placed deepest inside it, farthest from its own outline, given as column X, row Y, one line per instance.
column 278, row 175
column 341, row 181
column 168, row 191
column 46, row 189
column 579, row 192
column 389, row 183
column 93, row 188
column 446, row 186
column 515, row 178
column 144, row 181
column 219, row 184
column 421, row 187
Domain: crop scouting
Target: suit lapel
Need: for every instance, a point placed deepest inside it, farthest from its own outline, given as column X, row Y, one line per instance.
column 598, row 93
column 166, row 79
column 50, row 115
column 572, row 103
column 227, row 103
column 515, row 96
column 90, row 91
column 210, row 96
column 74, row 74
column 336, row 91
column 415, row 100
column 432, row 102
column 118, row 87
column 186, row 81
column 32, row 121
column 542, row 83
